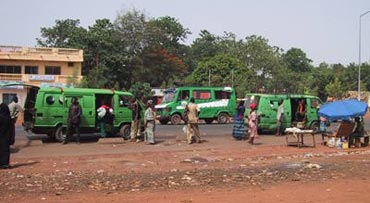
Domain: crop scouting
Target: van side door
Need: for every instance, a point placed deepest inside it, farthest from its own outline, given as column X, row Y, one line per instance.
column 287, row 113
column 87, row 107
column 123, row 113
column 182, row 100
column 311, row 110
column 267, row 109
column 52, row 111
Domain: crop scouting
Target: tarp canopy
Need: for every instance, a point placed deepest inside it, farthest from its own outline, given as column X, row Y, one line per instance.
column 343, row 109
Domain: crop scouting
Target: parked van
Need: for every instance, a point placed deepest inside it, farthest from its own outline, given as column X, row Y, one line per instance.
column 215, row 103
column 267, row 105
column 46, row 110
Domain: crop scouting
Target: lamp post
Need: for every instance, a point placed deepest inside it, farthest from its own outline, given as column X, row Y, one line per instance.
column 359, row 56
column 209, row 77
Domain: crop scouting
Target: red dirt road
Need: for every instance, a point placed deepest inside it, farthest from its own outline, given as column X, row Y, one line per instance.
column 218, row 170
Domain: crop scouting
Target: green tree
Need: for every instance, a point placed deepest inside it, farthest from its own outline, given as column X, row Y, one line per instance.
column 65, row 34
column 100, row 55
column 168, row 32
column 335, row 88
column 131, row 27
column 297, row 61
column 160, row 66
column 264, row 60
column 320, row 77
column 207, row 45
column 72, row 80
column 222, row 70
column 141, row 89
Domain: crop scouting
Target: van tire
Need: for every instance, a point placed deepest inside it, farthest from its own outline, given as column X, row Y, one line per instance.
column 59, row 133
column 222, row 118
column 175, row 119
column 315, row 126
column 125, row 131
column 209, row 120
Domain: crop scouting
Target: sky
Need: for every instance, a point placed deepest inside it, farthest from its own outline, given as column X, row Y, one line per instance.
column 327, row 30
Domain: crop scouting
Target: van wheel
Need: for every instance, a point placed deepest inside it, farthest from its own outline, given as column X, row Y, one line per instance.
column 124, row 132
column 315, row 126
column 208, row 120
column 59, row 133
column 175, row 119
column 222, row 118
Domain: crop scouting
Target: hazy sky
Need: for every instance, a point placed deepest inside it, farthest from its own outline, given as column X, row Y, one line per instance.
column 327, row 30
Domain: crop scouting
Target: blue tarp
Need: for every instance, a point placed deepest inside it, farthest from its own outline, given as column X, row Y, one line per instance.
column 343, row 109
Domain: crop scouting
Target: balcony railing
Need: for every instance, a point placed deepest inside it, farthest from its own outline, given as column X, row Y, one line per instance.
column 41, row 53
column 36, row 79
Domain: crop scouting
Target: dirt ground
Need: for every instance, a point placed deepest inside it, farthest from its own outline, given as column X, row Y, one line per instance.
column 219, row 170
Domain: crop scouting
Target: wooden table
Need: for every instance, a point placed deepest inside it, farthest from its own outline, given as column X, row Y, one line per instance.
column 299, row 135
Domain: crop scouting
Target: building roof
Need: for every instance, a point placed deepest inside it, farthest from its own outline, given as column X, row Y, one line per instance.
column 41, row 54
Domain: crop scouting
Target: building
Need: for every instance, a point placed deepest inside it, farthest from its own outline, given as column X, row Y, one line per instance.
column 38, row 67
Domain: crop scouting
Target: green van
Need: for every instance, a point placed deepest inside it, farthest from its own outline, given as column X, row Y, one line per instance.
column 267, row 105
column 46, row 110
column 215, row 103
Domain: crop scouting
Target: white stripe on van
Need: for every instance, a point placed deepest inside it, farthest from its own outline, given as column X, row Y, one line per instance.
column 218, row 103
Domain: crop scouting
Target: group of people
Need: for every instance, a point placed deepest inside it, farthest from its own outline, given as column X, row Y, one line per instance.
column 149, row 122
column 105, row 116
column 239, row 131
column 8, row 118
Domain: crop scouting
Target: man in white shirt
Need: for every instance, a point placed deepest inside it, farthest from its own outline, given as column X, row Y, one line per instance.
column 280, row 118
column 14, row 109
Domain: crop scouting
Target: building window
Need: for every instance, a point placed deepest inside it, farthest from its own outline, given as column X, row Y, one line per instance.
column 71, row 64
column 31, row 70
column 10, row 69
column 7, row 98
column 52, row 70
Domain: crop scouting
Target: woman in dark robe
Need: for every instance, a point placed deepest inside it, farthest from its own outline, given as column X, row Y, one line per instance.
column 5, row 123
column 239, row 131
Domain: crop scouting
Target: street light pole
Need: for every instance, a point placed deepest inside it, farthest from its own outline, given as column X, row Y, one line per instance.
column 359, row 56
column 209, row 77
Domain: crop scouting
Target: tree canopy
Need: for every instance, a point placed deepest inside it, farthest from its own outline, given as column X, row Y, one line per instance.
column 137, row 51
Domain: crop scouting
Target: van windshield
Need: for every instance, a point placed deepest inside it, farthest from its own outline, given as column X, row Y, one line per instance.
column 168, row 97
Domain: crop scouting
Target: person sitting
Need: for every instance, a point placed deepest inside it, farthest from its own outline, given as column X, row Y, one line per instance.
column 359, row 131
column 300, row 114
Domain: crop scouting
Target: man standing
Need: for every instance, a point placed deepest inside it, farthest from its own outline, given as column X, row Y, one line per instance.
column 280, row 118
column 105, row 114
column 136, row 117
column 5, row 126
column 14, row 109
column 193, row 118
column 74, row 119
